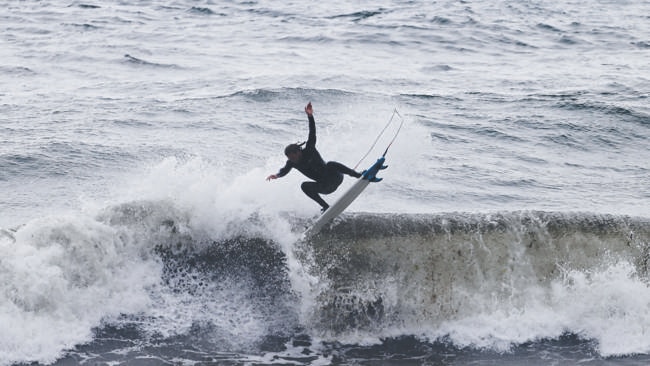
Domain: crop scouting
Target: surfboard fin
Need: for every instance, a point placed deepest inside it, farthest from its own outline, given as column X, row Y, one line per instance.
column 371, row 173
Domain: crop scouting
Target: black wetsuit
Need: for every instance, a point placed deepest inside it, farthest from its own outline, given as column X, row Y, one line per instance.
column 327, row 176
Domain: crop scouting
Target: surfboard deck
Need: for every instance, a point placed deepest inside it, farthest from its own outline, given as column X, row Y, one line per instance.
column 368, row 176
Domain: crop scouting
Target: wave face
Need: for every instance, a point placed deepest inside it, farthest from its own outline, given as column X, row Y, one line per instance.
column 486, row 280
column 145, row 273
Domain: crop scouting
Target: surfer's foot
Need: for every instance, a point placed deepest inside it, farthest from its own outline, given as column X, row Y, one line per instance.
column 322, row 210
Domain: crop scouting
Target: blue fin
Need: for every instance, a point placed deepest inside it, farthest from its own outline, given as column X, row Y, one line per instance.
column 371, row 173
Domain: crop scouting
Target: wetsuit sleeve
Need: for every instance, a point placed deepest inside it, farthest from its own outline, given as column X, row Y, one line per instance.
column 311, row 139
column 285, row 169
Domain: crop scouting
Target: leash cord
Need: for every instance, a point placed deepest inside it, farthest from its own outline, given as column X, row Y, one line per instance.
column 395, row 112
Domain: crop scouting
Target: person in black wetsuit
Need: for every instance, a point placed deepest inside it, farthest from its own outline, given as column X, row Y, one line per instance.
column 327, row 176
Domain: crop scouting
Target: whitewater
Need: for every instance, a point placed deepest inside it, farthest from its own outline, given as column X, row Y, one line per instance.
column 512, row 225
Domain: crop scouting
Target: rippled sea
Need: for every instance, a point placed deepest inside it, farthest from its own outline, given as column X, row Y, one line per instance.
column 512, row 225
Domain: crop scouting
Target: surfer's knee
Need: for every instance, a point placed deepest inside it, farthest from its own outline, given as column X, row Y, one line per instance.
column 308, row 187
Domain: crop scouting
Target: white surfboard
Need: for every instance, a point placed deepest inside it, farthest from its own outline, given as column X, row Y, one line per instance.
column 344, row 201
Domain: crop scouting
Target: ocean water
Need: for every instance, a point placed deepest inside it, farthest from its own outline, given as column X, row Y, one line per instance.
column 512, row 226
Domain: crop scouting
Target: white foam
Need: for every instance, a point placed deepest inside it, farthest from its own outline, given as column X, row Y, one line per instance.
column 61, row 277
column 609, row 306
column 220, row 204
column 213, row 197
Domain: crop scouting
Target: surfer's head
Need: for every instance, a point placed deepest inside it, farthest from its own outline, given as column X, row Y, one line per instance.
column 293, row 152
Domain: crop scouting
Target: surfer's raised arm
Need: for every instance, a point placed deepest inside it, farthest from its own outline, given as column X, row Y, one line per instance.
column 311, row 139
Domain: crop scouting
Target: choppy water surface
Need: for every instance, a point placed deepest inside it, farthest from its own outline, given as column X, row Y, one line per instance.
column 511, row 226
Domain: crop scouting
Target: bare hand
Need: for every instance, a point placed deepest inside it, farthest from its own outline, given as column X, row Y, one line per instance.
column 309, row 110
column 272, row 176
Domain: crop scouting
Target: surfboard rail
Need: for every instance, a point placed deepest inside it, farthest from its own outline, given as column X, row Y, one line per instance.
column 368, row 176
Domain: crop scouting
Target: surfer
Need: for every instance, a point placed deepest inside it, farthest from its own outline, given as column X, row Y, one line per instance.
column 327, row 176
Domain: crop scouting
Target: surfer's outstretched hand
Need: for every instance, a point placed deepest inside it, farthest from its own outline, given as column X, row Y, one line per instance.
column 308, row 109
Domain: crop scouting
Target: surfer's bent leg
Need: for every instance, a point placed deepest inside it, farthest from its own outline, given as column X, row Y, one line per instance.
column 340, row 168
column 312, row 189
